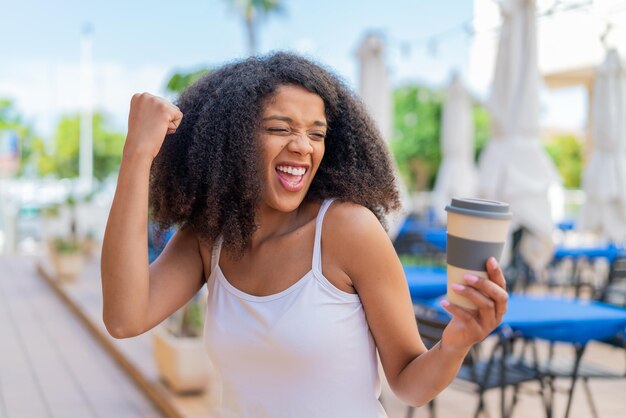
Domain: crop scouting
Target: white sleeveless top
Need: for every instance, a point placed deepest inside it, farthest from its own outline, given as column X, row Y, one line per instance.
column 305, row 352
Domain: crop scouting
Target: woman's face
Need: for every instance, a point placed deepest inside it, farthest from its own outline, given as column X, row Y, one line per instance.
column 293, row 128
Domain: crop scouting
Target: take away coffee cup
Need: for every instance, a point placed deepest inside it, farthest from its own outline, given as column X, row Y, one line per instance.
column 477, row 230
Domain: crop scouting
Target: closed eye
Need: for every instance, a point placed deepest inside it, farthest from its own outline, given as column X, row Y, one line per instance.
column 278, row 130
column 318, row 135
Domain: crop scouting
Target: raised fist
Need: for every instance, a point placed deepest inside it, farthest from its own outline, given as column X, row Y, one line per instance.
column 149, row 120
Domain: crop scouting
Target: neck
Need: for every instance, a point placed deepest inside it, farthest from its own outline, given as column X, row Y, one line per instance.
column 273, row 223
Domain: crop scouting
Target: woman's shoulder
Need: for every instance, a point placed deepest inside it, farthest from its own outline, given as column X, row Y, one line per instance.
column 349, row 219
column 352, row 237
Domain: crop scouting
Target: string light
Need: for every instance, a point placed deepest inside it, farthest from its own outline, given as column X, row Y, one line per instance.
column 432, row 44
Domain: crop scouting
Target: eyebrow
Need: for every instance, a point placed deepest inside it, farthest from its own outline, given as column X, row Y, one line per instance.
column 289, row 120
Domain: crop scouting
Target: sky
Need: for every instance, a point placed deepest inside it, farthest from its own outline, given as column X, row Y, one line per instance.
column 138, row 44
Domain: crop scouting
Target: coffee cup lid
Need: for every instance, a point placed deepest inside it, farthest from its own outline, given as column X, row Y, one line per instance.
column 481, row 208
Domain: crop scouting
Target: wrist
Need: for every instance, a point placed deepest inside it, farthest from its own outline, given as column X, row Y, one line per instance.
column 136, row 157
column 453, row 350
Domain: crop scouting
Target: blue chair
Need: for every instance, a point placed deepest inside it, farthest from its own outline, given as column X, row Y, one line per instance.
column 157, row 240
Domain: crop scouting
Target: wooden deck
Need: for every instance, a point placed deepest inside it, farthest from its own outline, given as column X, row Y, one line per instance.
column 134, row 355
column 50, row 365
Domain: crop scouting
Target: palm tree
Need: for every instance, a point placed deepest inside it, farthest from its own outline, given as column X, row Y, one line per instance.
column 252, row 12
column 181, row 80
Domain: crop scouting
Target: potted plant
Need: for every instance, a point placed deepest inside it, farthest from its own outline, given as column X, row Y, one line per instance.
column 67, row 258
column 90, row 244
column 179, row 351
column 50, row 217
column 66, row 252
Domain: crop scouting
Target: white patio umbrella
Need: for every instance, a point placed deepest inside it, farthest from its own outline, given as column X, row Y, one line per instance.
column 457, row 176
column 604, row 178
column 374, row 82
column 514, row 167
column 375, row 93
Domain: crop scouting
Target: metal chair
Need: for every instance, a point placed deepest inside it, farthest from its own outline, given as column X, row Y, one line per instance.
column 614, row 291
column 497, row 370
column 574, row 367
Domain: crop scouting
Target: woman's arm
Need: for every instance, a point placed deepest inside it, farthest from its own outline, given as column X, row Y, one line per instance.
column 416, row 375
column 138, row 296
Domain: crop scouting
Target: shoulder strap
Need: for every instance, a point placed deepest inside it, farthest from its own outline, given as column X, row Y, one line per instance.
column 317, row 246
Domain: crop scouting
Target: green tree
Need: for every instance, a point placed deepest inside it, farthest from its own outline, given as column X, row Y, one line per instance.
column 416, row 134
column 107, row 146
column 253, row 12
column 567, row 153
column 482, row 127
column 417, row 129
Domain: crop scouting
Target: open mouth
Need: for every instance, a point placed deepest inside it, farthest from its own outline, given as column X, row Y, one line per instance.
column 291, row 178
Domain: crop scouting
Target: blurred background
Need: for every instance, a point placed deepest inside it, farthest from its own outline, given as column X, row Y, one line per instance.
column 68, row 72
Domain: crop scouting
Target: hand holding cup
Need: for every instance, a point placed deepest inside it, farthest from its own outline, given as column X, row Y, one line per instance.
column 477, row 230
column 477, row 297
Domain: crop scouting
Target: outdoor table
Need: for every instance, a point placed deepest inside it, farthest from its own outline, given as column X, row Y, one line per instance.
column 426, row 282
column 610, row 252
column 558, row 319
column 563, row 319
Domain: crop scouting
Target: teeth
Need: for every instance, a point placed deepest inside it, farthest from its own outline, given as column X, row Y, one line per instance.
column 295, row 171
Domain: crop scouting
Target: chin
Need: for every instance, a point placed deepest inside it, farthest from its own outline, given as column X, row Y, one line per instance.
column 288, row 205
column 285, row 203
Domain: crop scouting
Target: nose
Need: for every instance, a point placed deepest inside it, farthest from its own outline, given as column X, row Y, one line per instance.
column 300, row 144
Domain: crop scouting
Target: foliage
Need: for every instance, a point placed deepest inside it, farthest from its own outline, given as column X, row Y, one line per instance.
column 567, row 153
column 180, row 81
column 107, row 148
column 416, row 134
column 421, row 260
column 482, row 128
column 417, row 129
column 66, row 245
column 192, row 319
column 188, row 321
column 63, row 162
column 51, row 211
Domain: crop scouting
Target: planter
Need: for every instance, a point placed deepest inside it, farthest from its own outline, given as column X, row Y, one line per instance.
column 67, row 266
column 182, row 362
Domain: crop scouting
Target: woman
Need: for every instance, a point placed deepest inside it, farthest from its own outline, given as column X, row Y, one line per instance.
column 278, row 181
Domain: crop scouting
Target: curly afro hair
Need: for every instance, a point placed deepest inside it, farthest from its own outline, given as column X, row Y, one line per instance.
column 205, row 174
